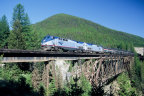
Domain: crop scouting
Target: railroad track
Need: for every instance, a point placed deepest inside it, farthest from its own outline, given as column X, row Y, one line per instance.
column 42, row 53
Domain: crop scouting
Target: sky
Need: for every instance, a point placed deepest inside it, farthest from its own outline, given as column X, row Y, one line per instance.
column 121, row 15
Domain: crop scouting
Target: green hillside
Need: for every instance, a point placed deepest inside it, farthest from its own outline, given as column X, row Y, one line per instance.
column 79, row 29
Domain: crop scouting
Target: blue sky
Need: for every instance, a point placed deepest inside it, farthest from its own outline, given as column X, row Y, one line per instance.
column 121, row 15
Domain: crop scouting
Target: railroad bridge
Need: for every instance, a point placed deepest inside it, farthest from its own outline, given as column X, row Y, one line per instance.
column 98, row 68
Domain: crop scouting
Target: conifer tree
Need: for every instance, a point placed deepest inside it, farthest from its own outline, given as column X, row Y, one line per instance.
column 20, row 15
column 52, row 87
column 142, row 74
column 4, row 32
column 29, row 37
column 16, row 39
column 85, row 85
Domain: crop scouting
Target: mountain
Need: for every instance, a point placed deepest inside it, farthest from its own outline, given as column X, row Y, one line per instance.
column 75, row 28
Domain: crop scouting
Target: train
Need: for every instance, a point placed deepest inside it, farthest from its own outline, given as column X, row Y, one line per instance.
column 53, row 43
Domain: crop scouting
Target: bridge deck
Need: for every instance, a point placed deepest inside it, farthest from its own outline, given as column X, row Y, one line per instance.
column 9, row 55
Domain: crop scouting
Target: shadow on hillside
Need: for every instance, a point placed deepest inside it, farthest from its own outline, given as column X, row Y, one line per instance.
column 112, row 79
column 78, row 92
column 20, row 88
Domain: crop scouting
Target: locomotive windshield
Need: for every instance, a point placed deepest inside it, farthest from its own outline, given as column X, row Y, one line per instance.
column 80, row 42
column 47, row 38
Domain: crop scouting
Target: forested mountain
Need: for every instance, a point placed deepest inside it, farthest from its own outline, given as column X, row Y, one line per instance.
column 79, row 29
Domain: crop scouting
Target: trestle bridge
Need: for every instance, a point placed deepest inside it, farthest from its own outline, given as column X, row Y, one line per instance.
column 98, row 68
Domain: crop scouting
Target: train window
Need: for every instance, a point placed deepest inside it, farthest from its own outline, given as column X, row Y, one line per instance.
column 49, row 38
column 56, row 37
column 65, row 39
column 45, row 37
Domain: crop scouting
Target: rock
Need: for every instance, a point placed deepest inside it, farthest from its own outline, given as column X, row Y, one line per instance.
column 63, row 67
column 2, row 65
column 139, row 50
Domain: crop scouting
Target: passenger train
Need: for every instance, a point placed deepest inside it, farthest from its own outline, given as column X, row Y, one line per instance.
column 52, row 43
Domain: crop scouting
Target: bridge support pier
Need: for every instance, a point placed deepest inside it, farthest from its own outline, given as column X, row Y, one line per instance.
column 47, row 74
column 49, row 69
column 45, row 77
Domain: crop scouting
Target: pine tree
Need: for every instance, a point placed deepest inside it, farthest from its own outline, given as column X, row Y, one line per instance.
column 19, row 14
column 85, row 85
column 52, row 87
column 132, row 47
column 29, row 37
column 4, row 32
column 142, row 74
column 16, row 38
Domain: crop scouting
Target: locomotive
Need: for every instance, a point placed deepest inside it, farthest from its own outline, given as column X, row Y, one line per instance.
column 56, row 43
column 53, row 43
